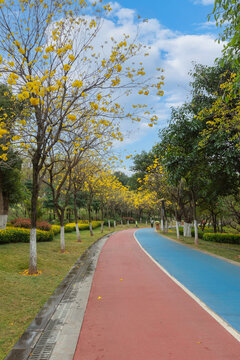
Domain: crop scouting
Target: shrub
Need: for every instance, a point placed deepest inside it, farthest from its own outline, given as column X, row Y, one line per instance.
column 222, row 238
column 13, row 235
column 200, row 233
column 96, row 224
column 26, row 223
column 82, row 226
column 70, row 227
column 56, row 229
column 111, row 222
column 83, row 222
column 128, row 218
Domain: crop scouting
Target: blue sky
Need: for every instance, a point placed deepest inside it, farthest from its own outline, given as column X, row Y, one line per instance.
column 178, row 15
column 179, row 34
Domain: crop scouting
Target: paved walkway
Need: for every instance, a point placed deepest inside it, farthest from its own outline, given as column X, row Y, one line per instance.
column 215, row 281
column 136, row 312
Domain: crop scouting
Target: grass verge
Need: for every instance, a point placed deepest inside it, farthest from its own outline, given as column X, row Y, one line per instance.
column 21, row 297
column 229, row 251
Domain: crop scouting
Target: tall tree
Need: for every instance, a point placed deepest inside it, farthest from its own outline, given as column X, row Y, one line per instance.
column 43, row 45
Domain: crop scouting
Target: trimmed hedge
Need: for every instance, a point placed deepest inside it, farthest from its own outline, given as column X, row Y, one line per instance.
column 56, row 229
column 82, row 226
column 72, row 227
column 15, row 235
column 222, row 238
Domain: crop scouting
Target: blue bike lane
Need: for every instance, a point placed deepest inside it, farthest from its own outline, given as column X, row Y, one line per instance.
column 214, row 281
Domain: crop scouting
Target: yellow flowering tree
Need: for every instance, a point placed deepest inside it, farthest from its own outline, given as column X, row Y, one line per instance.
column 47, row 55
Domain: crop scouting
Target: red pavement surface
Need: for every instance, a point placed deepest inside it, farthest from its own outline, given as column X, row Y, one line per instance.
column 145, row 316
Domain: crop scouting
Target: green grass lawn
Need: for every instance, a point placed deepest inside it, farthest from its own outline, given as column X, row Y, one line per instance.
column 21, row 297
column 229, row 251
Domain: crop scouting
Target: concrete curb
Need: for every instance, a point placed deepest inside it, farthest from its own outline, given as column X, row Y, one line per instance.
column 24, row 348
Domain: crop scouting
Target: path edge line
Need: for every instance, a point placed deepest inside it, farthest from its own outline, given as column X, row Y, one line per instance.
column 220, row 320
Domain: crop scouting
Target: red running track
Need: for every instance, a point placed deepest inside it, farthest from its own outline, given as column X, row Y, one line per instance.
column 145, row 316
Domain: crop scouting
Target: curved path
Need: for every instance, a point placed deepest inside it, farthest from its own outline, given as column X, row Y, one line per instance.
column 136, row 312
column 215, row 281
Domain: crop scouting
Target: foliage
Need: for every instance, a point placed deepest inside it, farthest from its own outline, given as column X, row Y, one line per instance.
column 226, row 14
column 82, row 226
column 13, row 235
column 26, row 223
column 222, row 238
column 56, row 229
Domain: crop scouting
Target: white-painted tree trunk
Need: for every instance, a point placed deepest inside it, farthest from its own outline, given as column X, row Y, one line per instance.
column 195, row 232
column 33, row 251
column 177, row 229
column 187, row 229
column 62, row 239
column 109, row 224
column 114, row 223
column 3, row 221
column 102, row 226
column 121, row 222
column 140, row 220
column 90, row 228
column 162, row 225
column 184, row 229
column 128, row 222
column 166, row 229
column 146, row 222
column 78, row 232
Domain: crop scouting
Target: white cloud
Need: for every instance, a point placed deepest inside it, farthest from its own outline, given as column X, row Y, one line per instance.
column 207, row 25
column 173, row 51
column 204, row 2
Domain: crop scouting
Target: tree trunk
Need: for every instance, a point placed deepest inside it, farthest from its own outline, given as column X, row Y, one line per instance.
column 62, row 238
column 102, row 215
column 195, row 232
column 214, row 220
column 90, row 228
column 33, row 233
column 195, row 222
column 90, row 220
column 177, row 229
column 3, row 220
column 109, row 224
column 162, row 225
column 166, row 227
column 187, row 229
column 76, row 217
column 114, row 223
column 162, row 216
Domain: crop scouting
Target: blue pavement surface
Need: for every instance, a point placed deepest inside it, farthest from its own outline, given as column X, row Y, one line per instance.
column 216, row 282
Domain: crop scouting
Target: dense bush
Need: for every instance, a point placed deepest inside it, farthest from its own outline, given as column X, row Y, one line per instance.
column 82, row 226
column 200, row 232
column 128, row 218
column 14, row 235
column 96, row 224
column 222, row 238
column 26, row 223
column 72, row 227
column 106, row 222
column 56, row 229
